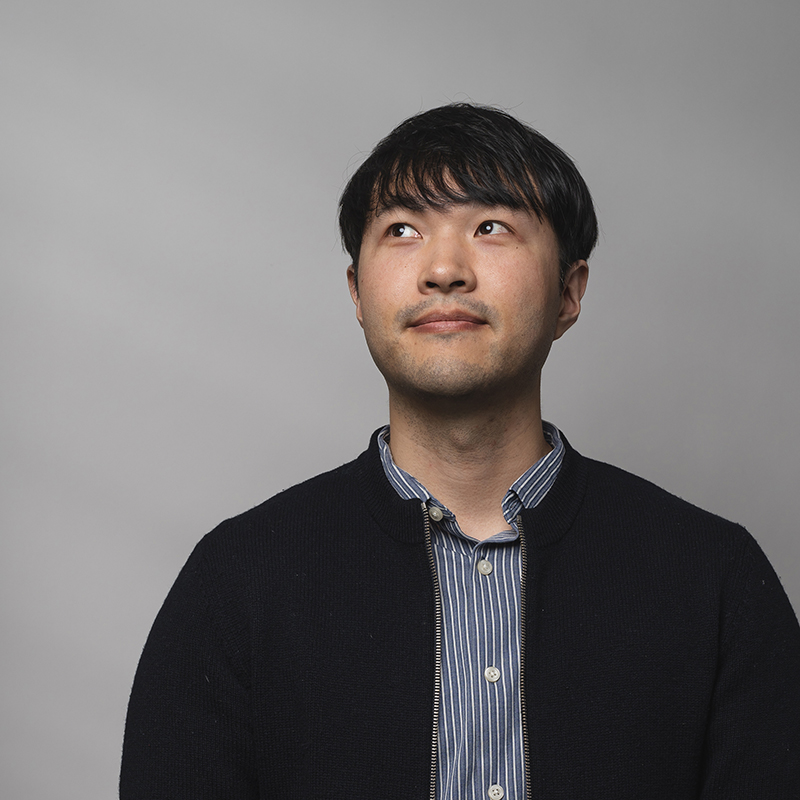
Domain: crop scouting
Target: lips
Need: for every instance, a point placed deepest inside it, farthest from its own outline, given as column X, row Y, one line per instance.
column 446, row 320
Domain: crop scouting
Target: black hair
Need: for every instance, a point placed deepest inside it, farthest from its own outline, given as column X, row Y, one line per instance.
column 465, row 153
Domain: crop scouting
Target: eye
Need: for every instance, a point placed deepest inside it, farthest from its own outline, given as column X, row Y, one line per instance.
column 402, row 230
column 491, row 226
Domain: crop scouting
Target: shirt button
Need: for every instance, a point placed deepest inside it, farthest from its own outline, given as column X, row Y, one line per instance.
column 485, row 567
column 492, row 674
column 496, row 791
column 435, row 512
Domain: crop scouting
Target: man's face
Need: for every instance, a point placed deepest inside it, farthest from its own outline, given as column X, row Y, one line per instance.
column 463, row 301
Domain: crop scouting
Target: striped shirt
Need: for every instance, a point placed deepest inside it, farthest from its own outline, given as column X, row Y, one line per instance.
column 480, row 724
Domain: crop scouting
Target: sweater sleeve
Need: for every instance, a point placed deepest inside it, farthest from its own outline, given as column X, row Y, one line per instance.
column 753, row 739
column 188, row 733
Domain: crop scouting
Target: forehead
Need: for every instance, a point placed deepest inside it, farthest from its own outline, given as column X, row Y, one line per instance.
column 417, row 187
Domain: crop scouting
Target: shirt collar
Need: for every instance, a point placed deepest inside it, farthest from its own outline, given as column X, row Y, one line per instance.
column 527, row 491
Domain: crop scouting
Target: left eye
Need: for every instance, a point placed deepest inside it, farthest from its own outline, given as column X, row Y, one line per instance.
column 491, row 226
column 402, row 230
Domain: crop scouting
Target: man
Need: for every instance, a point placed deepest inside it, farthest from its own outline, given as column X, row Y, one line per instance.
column 469, row 609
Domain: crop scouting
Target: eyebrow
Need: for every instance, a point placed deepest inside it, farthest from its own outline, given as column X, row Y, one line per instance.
column 418, row 208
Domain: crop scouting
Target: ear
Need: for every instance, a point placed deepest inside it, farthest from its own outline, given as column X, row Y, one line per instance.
column 571, row 295
column 351, row 282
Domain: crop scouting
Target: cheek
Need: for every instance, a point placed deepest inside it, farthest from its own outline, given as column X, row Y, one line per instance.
column 524, row 287
column 380, row 295
column 533, row 305
column 375, row 313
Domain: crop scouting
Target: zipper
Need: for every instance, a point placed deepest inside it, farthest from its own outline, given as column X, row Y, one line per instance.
column 523, row 578
column 438, row 649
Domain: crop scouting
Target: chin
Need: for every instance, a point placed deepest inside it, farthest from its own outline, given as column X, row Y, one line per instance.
column 449, row 380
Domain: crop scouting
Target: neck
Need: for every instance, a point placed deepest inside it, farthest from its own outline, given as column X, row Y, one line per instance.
column 468, row 457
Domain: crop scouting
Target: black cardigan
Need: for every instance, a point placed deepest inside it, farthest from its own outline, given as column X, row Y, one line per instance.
column 294, row 657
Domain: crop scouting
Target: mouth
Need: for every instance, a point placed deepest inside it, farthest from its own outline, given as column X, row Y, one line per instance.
column 442, row 321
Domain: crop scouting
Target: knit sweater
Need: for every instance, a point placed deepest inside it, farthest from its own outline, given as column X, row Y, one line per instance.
column 296, row 654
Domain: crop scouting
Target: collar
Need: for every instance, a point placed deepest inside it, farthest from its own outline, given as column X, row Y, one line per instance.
column 527, row 491
column 403, row 520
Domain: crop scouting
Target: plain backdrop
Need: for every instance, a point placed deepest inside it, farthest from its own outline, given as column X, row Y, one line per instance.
column 178, row 341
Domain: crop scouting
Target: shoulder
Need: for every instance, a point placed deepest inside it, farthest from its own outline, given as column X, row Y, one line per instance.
column 628, row 532
column 611, row 516
column 642, row 516
column 601, row 505
column 674, row 541
column 623, row 494
column 270, row 554
column 318, row 493
column 292, row 514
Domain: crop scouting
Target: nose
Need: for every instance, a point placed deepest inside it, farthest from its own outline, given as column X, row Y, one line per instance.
column 447, row 268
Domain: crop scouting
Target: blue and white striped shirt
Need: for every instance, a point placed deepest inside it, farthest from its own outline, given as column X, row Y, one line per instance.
column 480, row 725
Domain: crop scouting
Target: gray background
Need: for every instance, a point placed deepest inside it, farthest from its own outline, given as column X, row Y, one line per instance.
column 178, row 342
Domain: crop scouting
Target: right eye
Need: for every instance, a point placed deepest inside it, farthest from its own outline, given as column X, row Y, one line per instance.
column 402, row 230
